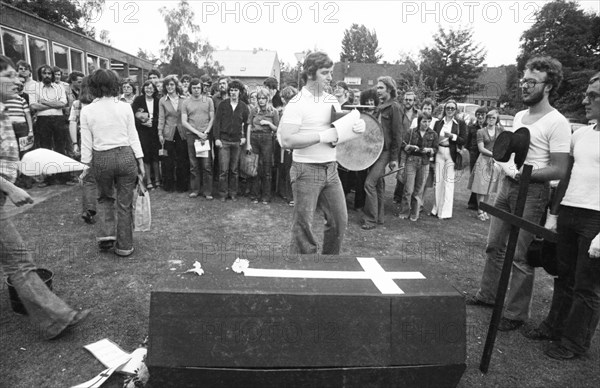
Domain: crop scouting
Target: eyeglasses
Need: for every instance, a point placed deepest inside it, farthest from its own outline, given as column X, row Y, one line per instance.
column 530, row 83
column 450, row 108
column 479, row 114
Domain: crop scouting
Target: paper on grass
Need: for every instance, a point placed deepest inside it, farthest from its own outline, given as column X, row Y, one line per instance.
column 97, row 381
column 47, row 162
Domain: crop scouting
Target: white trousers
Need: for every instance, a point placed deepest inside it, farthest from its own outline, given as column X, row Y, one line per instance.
column 444, row 183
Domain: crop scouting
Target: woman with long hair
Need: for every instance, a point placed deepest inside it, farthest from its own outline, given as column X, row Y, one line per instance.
column 145, row 108
column 485, row 173
column 264, row 120
column 110, row 143
column 452, row 133
column 171, row 133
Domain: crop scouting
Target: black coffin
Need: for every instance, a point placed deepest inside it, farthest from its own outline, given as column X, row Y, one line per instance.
column 225, row 329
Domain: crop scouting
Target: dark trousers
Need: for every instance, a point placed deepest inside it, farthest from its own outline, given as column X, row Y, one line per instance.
column 472, row 204
column 53, row 133
column 176, row 166
column 262, row 144
column 575, row 309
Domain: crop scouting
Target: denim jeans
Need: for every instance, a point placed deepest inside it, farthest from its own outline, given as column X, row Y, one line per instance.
column 262, row 144
column 49, row 314
column 520, row 293
column 575, row 309
column 116, row 169
column 317, row 186
column 229, row 157
column 89, row 192
column 176, row 165
column 201, row 169
column 375, row 190
column 414, row 186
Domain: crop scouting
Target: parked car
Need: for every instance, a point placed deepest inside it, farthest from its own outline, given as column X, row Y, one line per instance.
column 507, row 122
column 466, row 112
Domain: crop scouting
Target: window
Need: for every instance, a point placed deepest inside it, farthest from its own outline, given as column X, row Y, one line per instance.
column 104, row 63
column 13, row 45
column 352, row 80
column 76, row 60
column 488, row 102
column 92, row 63
column 38, row 53
column 61, row 58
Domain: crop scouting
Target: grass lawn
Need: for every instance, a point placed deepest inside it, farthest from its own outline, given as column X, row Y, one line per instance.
column 118, row 290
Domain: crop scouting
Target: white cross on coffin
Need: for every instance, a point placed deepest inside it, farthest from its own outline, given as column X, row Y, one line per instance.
column 373, row 271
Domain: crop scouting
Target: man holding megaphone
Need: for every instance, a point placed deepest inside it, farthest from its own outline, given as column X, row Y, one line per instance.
column 306, row 128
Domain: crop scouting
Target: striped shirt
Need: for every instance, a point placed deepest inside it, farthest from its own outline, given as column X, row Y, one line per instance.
column 9, row 148
column 16, row 108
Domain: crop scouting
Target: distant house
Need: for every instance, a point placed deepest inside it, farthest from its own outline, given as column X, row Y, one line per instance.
column 251, row 67
column 492, row 82
column 363, row 76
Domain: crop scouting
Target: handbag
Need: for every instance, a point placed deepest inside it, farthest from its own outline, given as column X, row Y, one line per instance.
column 142, row 212
column 542, row 253
column 462, row 159
column 202, row 147
column 249, row 164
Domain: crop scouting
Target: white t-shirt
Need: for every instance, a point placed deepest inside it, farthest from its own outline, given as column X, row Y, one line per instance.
column 550, row 134
column 584, row 186
column 313, row 114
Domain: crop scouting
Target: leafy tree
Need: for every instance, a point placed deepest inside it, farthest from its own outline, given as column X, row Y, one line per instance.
column 104, row 37
column 451, row 67
column 183, row 50
column 360, row 45
column 63, row 13
column 90, row 10
column 565, row 32
column 412, row 79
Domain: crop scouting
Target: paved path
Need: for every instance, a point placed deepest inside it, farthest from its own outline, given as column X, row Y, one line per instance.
column 39, row 195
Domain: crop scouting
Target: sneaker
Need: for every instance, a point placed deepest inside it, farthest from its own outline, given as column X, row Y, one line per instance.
column 124, row 252
column 509, row 324
column 414, row 218
column 291, row 203
column 255, row 201
column 150, row 187
column 559, row 352
column 209, row 197
column 193, row 195
column 538, row 334
column 403, row 216
column 473, row 301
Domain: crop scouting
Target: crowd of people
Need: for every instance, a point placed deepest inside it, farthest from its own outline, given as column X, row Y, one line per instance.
column 186, row 134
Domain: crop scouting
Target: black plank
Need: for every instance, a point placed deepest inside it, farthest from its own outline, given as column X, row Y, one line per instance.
column 430, row 376
column 522, row 223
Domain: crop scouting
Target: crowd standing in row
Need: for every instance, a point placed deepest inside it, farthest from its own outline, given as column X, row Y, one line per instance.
column 126, row 138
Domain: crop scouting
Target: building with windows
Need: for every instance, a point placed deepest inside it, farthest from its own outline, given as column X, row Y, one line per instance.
column 24, row 36
column 492, row 85
column 363, row 76
column 251, row 67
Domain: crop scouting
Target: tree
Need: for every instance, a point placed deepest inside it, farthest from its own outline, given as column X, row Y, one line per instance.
column 360, row 45
column 90, row 11
column 452, row 66
column 567, row 33
column 104, row 37
column 183, row 50
column 412, row 79
column 63, row 13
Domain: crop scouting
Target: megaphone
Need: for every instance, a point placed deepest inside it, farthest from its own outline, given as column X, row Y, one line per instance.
column 343, row 123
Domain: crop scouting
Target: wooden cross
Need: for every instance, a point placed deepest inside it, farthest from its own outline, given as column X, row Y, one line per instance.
column 517, row 223
column 372, row 270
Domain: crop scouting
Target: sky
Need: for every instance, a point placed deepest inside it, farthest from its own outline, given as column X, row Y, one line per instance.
column 288, row 27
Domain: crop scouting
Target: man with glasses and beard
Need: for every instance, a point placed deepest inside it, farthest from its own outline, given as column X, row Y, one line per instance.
column 409, row 113
column 550, row 137
column 51, row 128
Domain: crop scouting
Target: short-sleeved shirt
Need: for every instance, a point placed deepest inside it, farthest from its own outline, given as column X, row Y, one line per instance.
column 16, row 108
column 9, row 148
column 52, row 92
column 550, row 134
column 256, row 116
column 313, row 114
column 198, row 111
column 584, row 185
